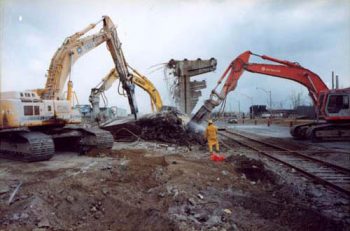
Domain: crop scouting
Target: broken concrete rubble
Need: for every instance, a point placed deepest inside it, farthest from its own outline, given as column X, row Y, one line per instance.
column 164, row 126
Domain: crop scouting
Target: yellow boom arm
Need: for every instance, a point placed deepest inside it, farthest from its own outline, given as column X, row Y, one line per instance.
column 137, row 78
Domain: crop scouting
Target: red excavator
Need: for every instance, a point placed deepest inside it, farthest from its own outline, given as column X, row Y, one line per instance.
column 331, row 105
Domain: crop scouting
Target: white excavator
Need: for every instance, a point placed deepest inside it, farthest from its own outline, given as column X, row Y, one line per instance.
column 33, row 123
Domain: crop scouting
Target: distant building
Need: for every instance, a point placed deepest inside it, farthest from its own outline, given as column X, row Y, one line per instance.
column 84, row 109
column 257, row 110
column 281, row 113
column 225, row 116
column 305, row 112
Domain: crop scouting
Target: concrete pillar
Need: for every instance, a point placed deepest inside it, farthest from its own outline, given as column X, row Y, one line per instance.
column 186, row 92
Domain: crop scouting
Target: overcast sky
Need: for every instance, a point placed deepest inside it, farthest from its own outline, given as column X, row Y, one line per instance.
column 314, row 33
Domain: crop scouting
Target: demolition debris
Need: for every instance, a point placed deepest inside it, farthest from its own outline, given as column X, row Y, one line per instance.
column 164, row 127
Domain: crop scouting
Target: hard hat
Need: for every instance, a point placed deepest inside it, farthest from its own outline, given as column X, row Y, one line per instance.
column 210, row 121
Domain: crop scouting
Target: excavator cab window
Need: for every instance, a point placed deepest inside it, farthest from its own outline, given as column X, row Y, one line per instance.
column 36, row 110
column 337, row 103
column 31, row 110
column 346, row 101
column 28, row 110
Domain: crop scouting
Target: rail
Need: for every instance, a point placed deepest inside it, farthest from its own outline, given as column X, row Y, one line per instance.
column 325, row 173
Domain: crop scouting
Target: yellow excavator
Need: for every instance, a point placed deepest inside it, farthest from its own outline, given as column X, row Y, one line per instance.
column 35, row 122
column 107, row 82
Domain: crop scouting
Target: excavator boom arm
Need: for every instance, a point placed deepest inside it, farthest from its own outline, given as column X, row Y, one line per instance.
column 300, row 75
column 114, row 46
column 62, row 61
column 144, row 83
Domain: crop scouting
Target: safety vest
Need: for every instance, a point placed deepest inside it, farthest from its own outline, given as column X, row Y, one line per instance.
column 211, row 132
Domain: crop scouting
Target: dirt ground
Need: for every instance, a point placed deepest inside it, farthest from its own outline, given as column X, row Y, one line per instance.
column 148, row 186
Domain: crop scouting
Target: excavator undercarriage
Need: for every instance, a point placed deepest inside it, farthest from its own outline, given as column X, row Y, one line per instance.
column 40, row 144
column 26, row 145
column 322, row 131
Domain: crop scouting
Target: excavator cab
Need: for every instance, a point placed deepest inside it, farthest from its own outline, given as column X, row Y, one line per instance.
column 338, row 104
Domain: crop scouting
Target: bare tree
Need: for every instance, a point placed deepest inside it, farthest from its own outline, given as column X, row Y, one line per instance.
column 280, row 105
column 297, row 98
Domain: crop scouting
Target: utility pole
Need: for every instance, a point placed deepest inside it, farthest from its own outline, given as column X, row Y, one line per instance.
column 239, row 108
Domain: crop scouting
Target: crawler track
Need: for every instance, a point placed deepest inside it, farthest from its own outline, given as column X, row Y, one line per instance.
column 26, row 146
column 331, row 175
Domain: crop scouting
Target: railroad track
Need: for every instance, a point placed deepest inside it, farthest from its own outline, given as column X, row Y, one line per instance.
column 325, row 173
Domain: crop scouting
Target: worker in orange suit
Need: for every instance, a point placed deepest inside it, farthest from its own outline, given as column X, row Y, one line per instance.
column 211, row 136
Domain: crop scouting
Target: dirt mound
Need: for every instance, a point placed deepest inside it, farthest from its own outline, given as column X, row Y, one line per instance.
column 253, row 170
